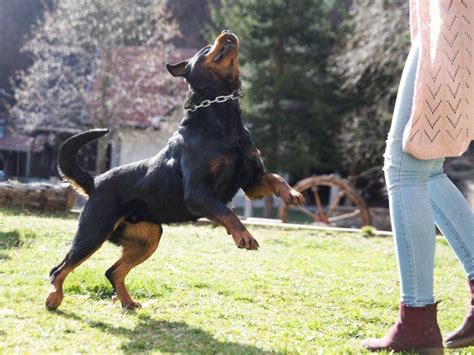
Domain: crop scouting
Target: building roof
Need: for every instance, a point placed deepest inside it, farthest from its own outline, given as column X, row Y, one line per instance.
column 20, row 143
column 135, row 86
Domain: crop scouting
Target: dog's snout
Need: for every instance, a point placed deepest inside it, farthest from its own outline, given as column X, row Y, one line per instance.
column 229, row 36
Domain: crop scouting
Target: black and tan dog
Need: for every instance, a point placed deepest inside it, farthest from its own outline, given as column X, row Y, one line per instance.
column 206, row 161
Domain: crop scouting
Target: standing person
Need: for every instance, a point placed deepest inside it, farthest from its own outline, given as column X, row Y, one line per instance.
column 433, row 119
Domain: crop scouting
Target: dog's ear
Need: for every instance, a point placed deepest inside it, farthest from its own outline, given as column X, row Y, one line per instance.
column 177, row 69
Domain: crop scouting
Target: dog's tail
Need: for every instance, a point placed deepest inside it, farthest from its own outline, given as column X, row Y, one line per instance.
column 69, row 169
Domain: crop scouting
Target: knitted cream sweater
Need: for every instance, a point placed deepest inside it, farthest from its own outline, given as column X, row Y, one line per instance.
column 442, row 120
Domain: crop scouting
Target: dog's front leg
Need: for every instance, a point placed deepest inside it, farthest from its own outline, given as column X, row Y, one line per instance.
column 203, row 204
column 269, row 184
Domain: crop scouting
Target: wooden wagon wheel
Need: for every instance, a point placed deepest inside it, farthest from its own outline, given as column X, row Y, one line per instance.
column 347, row 209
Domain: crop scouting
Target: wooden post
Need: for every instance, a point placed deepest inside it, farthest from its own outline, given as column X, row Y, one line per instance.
column 247, row 208
column 17, row 163
column 333, row 192
column 28, row 162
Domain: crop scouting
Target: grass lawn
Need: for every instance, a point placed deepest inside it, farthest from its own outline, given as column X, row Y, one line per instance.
column 304, row 291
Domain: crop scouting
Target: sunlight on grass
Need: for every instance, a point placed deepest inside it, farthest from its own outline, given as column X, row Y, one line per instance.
column 304, row 291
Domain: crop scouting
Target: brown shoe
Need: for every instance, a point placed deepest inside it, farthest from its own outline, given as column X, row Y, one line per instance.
column 416, row 329
column 464, row 335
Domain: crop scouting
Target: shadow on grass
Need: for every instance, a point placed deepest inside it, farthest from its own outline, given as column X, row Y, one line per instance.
column 10, row 240
column 4, row 256
column 151, row 335
column 18, row 211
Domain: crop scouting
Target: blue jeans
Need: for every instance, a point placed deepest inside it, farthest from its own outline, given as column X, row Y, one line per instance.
column 420, row 195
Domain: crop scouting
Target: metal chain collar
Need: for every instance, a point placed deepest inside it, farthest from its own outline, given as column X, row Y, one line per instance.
column 219, row 99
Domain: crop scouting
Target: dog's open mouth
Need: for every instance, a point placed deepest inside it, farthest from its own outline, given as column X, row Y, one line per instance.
column 228, row 42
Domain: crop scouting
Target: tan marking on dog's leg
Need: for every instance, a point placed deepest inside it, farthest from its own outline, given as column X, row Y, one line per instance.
column 274, row 184
column 269, row 184
column 139, row 241
column 55, row 296
column 242, row 237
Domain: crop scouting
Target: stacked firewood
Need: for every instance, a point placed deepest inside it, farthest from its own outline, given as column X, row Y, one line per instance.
column 42, row 196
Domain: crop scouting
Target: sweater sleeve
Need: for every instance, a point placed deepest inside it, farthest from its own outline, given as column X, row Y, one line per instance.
column 413, row 19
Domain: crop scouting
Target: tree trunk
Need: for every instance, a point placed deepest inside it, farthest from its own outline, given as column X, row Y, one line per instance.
column 273, row 156
column 306, row 171
column 101, row 157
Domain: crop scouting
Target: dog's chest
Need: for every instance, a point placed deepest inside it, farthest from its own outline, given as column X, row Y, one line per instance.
column 226, row 172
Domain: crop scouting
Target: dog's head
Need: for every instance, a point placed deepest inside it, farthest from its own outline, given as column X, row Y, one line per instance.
column 214, row 66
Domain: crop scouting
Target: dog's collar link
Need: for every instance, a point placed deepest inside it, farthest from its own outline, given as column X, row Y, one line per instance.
column 219, row 99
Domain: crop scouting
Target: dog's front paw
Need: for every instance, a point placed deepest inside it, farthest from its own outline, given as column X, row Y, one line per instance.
column 244, row 240
column 292, row 197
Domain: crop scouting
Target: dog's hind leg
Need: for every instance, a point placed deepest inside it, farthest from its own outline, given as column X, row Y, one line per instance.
column 139, row 241
column 97, row 221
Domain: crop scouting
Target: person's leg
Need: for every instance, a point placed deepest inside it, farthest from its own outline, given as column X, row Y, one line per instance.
column 453, row 216
column 455, row 219
column 412, row 224
column 411, row 214
column 410, row 207
column 413, row 227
